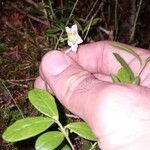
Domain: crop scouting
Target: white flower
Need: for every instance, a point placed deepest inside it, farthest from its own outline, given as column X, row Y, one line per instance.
column 73, row 38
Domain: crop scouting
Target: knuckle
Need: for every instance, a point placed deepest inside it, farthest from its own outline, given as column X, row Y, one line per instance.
column 73, row 82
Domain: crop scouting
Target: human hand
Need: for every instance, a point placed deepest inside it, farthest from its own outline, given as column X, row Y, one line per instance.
column 118, row 114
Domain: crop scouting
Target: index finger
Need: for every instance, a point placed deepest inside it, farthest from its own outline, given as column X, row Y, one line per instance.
column 98, row 57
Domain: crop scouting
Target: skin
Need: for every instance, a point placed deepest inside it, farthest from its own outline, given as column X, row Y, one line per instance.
column 118, row 114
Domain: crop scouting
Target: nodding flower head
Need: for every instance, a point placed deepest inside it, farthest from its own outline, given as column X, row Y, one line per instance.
column 73, row 38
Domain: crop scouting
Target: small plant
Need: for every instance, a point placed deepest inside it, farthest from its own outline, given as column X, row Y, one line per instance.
column 125, row 74
column 31, row 126
column 57, row 33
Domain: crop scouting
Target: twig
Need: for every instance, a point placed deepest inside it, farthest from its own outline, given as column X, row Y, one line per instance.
column 17, row 84
column 109, row 33
column 21, row 80
column 141, row 70
column 44, row 10
column 103, row 17
column 13, row 28
column 90, row 23
column 61, row 6
column 116, row 18
column 72, row 116
column 30, row 16
column 98, row 9
column 109, row 14
column 104, row 30
column 2, row 81
column 135, row 21
column 34, row 30
column 133, row 11
column 32, row 3
column 51, row 8
column 91, row 10
column 101, row 35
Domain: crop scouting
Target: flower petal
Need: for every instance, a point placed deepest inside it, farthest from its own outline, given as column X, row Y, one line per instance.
column 74, row 48
column 79, row 41
column 74, row 29
column 68, row 29
column 70, row 43
column 73, row 37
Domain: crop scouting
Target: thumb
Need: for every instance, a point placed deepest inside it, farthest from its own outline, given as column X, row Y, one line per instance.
column 72, row 85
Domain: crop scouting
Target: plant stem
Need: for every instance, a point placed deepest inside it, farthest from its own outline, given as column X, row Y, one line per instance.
column 62, row 7
column 141, row 70
column 75, row 4
column 44, row 10
column 51, row 8
column 135, row 21
column 65, row 134
column 12, row 99
column 104, row 30
column 90, row 23
column 93, row 146
column 116, row 19
column 91, row 10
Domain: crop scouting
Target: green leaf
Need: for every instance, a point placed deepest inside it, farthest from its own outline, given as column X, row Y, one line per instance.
column 49, row 140
column 44, row 102
column 95, row 21
column 115, row 79
column 25, row 128
column 87, row 26
column 66, row 147
column 127, row 49
column 78, row 25
column 124, row 65
column 61, row 23
column 123, row 75
column 53, row 31
column 82, row 129
column 35, row 12
column 86, row 146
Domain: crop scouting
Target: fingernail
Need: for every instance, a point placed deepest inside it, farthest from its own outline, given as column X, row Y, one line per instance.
column 57, row 62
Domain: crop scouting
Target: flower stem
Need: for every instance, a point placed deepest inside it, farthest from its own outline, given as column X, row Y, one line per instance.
column 93, row 146
column 141, row 70
column 51, row 8
column 116, row 19
column 135, row 21
column 65, row 134
column 71, row 13
column 68, row 50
